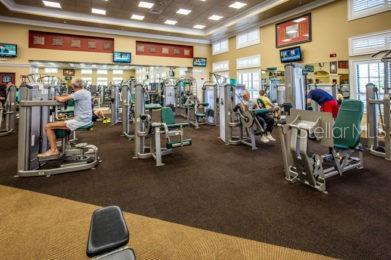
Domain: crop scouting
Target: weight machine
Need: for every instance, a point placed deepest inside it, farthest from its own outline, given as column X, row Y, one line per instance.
column 8, row 112
column 115, row 104
column 128, row 96
column 151, row 122
column 210, row 97
column 37, row 108
column 378, row 107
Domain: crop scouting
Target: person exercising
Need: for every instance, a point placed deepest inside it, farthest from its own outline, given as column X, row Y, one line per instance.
column 326, row 101
column 82, row 116
column 267, row 122
column 265, row 102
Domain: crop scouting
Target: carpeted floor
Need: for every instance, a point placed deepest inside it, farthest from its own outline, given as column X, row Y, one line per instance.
column 230, row 190
column 38, row 226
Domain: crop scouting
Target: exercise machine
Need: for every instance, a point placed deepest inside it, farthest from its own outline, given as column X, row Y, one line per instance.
column 8, row 112
column 116, row 104
column 232, row 118
column 169, row 93
column 342, row 138
column 128, row 96
column 151, row 123
column 195, row 111
column 37, row 108
column 109, row 235
column 210, row 96
column 379, row 108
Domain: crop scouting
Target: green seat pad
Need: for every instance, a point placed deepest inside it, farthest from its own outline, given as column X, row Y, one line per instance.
column 152, row 106
column 177, row 125
column 168, row 116
column 204, row 104
column 186, row 142
column 200, row 114
column 62, row 133
column 261, row 111
column 347, row 126
column 86, row 127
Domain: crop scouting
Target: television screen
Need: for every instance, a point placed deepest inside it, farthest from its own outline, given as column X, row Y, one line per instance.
column 199, row 62
column 8, row 50
column 291, row 55
column 123, row 57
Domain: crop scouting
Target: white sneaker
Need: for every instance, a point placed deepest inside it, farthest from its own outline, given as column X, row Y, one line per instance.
column 270, row 137
column 264, row 139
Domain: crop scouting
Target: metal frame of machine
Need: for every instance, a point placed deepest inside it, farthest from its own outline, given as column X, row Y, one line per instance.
column 37, row 108
column 382, row 111
column 8, row 112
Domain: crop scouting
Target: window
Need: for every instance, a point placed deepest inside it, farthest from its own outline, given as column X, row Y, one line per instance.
column 86, row 71
column 220, row 47
column 220, row 66
column 251, row 79
column 51, row 70
column 363, row 8
column 248, row 62
column 101, row 72
column 117, row 80
column 247, row 39
column 118, row 72
column 101, row 81
column 87, row 80
column 369, row 44
column 368, row 72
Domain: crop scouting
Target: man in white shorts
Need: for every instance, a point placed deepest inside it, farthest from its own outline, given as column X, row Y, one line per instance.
column 82, row 116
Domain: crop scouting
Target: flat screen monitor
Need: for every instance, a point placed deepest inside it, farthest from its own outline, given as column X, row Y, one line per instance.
column 199, row 62
column 291, row 55
column 8, row 50
column 122, row 57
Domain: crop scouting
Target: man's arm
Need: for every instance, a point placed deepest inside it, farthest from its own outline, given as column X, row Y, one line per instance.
column 63, row 99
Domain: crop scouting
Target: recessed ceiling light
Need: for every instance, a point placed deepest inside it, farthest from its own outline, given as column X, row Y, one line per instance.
column 52, row 4
column 199, row 26
column 143, row 4
column 137, row 17
column 183, row 11
column 98, row 11
column 238, row 5
column 215, row 17
column 170, row 22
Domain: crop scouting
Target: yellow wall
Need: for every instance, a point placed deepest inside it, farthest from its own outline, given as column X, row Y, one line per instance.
column 330, row 33
column 19, row 35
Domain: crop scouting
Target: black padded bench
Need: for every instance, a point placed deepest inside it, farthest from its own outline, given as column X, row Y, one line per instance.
column 109, row 235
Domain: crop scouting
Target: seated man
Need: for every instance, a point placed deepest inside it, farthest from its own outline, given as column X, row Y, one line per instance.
column 326, row 101
column 248, row 104
column 82, row 116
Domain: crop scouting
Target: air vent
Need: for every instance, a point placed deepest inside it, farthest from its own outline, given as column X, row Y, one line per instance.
column 160, row 6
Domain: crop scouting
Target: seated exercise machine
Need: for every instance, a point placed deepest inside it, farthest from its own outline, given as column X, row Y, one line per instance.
column 8, row 112
column 157, row 122
column 108, row 237
column 380, row 107
column 196, row 114
column 37, row 108
column 342, row 139
column 169, row 99
column 232, row 117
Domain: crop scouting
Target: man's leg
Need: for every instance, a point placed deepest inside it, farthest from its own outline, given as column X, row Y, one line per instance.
column 50, row 127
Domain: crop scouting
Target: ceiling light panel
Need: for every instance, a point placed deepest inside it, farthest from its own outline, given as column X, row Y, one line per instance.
column 137, row 17
column 170, row 22
column 238, row 5
column 52, row 4
column 147, row 5
column 199, row 26
column 183, row 11
column 215, row 17
column 98, row 11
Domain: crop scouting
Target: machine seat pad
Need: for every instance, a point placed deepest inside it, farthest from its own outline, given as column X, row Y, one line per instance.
column 261, row 111
column 200, row 114
column 108, row 231
column 152, row 106
column 204, row 104
column 347, row 126
column 86, row 127
column 62, row 133
column 174, row 144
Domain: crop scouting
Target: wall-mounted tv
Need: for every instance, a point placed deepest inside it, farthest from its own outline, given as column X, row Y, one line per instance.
column 291, row 54
column 8, row 50
column 122, row 57
column 199, row 62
